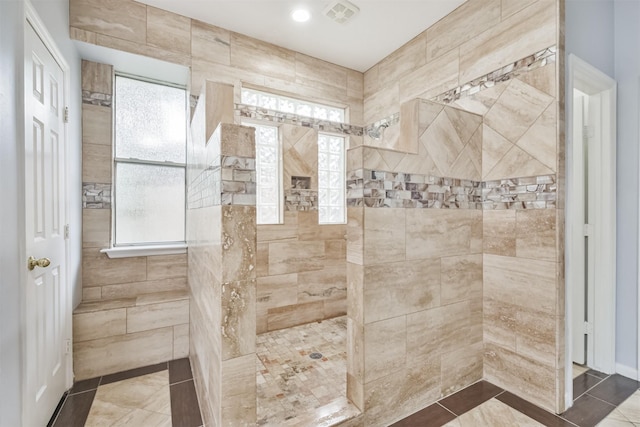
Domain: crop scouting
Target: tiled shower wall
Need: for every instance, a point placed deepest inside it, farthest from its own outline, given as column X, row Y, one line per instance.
column 221, row 234
column 301, row 265
column 495, row 58
column 114, row 317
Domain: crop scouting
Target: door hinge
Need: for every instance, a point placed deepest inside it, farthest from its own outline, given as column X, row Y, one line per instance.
column 588, row 328
column 67, row 346
column 588, row 229
column 66, row 114
column 66, row 231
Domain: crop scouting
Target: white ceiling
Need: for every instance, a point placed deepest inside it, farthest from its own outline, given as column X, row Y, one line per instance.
column 381, row 27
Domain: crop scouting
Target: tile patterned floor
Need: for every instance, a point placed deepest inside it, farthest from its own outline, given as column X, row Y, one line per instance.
column 302, row 370
column 160, row 395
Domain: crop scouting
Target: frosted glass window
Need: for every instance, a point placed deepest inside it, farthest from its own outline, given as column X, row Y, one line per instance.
column 331, row 179
column 150, row 151
column 290, row 105
column 150, row 204
column 268, row 173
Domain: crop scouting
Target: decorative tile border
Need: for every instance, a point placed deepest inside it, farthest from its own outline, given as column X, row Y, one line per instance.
column 96, row 98
column 96, row 196
column 524, row 65
column 386, row 122
column 258, row 113
column 301, row 200
column 231, row 180
column 380, row 189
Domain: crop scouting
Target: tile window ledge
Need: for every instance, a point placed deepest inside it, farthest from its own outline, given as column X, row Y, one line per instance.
column 134, row 251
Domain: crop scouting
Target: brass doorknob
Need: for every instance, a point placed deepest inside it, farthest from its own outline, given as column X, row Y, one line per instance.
column 33, row 263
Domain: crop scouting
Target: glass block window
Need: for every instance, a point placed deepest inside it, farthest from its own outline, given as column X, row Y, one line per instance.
column 284, row 104
column 268, row 175
column 331, row 179
column 150, row 157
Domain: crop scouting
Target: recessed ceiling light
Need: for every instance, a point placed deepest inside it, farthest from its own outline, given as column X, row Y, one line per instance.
column 301, row 15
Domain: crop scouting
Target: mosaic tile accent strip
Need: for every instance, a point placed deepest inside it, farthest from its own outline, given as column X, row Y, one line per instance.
column 231, row 180
column 380, row 189
column 258, row 113
column 385, row 122
column 301, row 200
column 539, row 59
column 96, row 98
column 96, row 196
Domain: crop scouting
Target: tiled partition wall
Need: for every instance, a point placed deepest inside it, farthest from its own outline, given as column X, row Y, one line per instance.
column 301, row 265
column 134, row 311
column 221, row 234
column 414, row 267
column 496, row 58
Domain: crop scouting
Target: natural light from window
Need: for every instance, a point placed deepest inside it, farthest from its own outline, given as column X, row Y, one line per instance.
column 331, row 179
column 299, row 107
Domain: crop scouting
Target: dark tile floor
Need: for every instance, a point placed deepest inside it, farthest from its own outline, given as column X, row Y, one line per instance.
column 596, row 395
column 76, row 404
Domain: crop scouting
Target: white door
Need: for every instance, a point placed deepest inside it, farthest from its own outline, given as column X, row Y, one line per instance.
column 47, row 295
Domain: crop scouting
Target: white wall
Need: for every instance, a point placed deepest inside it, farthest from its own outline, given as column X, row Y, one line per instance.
column 627, row 73
column 55, row 15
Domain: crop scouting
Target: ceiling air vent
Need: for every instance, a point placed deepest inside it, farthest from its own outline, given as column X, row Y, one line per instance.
column 341, row 11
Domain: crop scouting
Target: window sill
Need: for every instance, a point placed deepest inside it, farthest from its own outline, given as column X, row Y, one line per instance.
column 133, row 251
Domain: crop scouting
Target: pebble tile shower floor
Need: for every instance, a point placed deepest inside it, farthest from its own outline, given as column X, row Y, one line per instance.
column 290, row 382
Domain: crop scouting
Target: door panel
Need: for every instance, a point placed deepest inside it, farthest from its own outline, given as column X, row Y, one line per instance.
column 47, row 295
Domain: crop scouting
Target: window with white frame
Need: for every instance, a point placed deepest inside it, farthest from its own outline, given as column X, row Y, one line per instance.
column 285, row 104
column 331, row 179
column 268, row 174
column 149, row 162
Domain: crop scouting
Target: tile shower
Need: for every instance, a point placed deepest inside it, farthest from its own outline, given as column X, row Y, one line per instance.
column 471, row 183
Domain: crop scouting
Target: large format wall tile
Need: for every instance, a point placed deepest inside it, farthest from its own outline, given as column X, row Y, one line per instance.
column 381, row 242
column 169, row 31
column 118, row 18
column 384, row 347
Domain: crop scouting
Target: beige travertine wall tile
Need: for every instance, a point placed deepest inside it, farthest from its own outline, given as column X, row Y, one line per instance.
column 143, row 49
column 292, row 315
column 540, row 141
column 464, row 123
column 520, row 281
column 91, row 294
column 461, row 25
column 96, row 224
column 355, row 235
column 239, row 247
column 409, row 57
column 435, row 233
column 127, row 352
column 309, row 229
column 431, row 79
column 96, row 163
column 96, row 77
column 300, row 154
column 166, row 266
column 239, row 391
column 530, row 30
column 277, row 290
column 210, row 43
column 516, row 110
column 316, row 73
column 543, row 79
column 382, row 103
column 442, row 143
column 536, row 336
column 155, row 316
column 202, row 70
column 461, row 368
column 494, row 148
column 536, row 234
column 128, row 290
column 395, row 289
column 262, row 257
column 96, row 125
column 406, row 391
column 383, row 243
column 480, row 102
column 371, row 81
column 118, row 18
column 335, row 307
column 168, row 30
column 160, row 297
column 499, row 232
column 180, row 341
column 509, row 7
column 355, row 394
column 355, row 86
column 336, row 250
column 261, row 57
column 460, row 278
column 238, row 319
column 235, row 140
column 517, row 163
column 98, row 269
column 286, row 231
column 219, row 101
column 525, row 377
column 327, row 284
column 293, row 257
column 385, row 347
column 99, row 324
column 82, row 35
column 355, row 292
column 500, row 323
